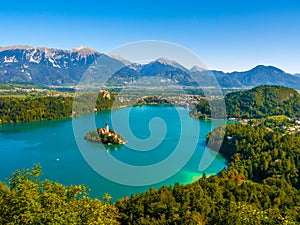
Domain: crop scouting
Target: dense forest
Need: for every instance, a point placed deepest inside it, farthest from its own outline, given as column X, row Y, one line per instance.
column 261, row 155
column 152, row 100
column 30, row 200
column 201, row 110
column 263, row 101
column 260, row 186
column 258, row 102
column 14, row 110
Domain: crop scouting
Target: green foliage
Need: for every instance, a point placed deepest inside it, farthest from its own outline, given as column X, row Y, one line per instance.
column 261, row 185
column 201, row 110
column 93, row 136
column 222, row 199
column 275, row 123
column 263, row 101
column 13, row 110
column 153, row 100
column 32, row 201
column 261, row 155
column 258, row 102
column 206, row 109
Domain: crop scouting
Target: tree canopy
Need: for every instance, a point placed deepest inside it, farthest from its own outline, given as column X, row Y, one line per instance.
column 260, row 186
column 13, row 110
column 30, row 200
column 258, row 102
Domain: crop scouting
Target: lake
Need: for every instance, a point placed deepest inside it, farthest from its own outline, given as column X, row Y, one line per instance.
column 165, row 146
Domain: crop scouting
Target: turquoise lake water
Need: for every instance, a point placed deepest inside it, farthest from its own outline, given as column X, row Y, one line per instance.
column 165, row 146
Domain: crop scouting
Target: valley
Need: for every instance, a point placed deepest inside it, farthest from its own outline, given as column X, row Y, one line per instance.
column 166, row 112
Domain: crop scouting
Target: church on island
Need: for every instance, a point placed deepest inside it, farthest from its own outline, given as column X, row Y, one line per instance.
column 105, row 136
column 107, row 132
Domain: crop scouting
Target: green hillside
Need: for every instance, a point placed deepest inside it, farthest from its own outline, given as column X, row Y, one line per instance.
column 260, row 186
column 258, row 102
column 14, row 109
column 263, row 101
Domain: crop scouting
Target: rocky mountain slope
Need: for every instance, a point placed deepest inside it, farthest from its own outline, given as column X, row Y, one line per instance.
column 49, row 66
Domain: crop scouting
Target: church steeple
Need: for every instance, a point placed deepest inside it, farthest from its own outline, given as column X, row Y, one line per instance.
column 106, row 127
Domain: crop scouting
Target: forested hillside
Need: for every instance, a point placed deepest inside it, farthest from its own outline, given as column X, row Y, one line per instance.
column 258, row 102
column 263, row 101
column 261, row 186
column 30, row 200
column 14, row 110
column 261, row 155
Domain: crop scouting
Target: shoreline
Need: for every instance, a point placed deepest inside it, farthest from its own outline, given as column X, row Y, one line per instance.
column 114, row 108
column 184, row 179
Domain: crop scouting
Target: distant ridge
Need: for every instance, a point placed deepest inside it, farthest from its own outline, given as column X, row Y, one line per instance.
column 15, row 47
column 26, row 47
column 51, row 66
column 259, row 75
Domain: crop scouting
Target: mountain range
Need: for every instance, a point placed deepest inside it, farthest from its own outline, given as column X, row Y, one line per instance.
column 49, row 66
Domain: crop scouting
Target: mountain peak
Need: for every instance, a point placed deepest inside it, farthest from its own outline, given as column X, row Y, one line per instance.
column 263, row 67
column 169, row 62
column 166, row 61
column 163, row 60
column 84, row 49
column 197, row 69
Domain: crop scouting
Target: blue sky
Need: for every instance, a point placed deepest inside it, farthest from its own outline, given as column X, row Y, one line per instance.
column 226, row 35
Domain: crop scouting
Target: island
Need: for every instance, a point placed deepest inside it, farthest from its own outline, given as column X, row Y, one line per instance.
column 105, row 136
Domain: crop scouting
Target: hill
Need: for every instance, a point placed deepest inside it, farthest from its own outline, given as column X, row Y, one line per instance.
column 263, row 101
column 260, row 186
column 258, row 102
